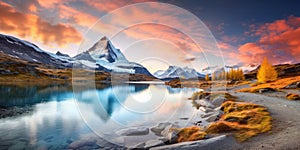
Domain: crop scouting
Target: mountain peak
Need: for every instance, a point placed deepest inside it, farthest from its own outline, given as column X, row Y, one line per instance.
column 61, row 54
column 105, row 50
column 104, row 38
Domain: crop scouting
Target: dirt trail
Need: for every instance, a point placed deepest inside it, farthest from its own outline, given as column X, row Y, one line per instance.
column 285, row 133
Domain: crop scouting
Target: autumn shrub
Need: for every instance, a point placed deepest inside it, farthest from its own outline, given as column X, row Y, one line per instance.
column 266, row 72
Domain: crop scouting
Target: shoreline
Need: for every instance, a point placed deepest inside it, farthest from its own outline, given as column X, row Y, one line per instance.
column 284, row 113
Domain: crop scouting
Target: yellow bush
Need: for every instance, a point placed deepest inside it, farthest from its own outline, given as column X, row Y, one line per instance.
column 206, row 77
column 266, row 72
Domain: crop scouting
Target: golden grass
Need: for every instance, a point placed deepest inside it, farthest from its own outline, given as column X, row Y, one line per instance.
column 292, row 96
column 202, row 94
column 192, row 133
column 244, row 119
column 199, row 95
column 278, row 84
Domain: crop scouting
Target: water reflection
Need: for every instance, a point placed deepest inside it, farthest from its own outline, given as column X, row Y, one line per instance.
column 60, row 116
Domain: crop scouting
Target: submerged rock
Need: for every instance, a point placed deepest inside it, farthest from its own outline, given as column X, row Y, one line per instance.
column 134, row 131
column 81, row 143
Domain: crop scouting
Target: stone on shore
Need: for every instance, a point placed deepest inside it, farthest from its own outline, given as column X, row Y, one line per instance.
column 211, row 143
column 134, row 131
column 218, row 101
column 265, row 90
column 293, row 85
column 162, row 128
column 159, row 127
column 212, row 118
column 154, row 143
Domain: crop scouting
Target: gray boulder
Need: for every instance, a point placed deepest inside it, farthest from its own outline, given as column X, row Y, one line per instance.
column 205, row 103
column 138, row 146
column 212, row 118
column 265, row 90
column 154, row 143
column 212, row 143
column 160, row 127
column 170, row 135
column 293, row 85
column 218, row 101
column 134, row 131
column 206, row 110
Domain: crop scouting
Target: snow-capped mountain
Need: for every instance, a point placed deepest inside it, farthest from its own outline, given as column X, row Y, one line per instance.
column 101, row 56
column 178, row 72
column 104, row 50
column 104, row 56
column 29, row 52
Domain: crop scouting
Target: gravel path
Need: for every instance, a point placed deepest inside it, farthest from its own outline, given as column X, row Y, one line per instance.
column 285, row 133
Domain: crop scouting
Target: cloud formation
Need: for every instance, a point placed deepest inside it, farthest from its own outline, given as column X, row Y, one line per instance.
column 278, row 40
column 107, row 6
column 33, row 27
column 153, row 20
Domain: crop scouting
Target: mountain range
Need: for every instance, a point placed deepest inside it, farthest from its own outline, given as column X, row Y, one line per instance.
column 177, row 72
column 101, row 56
column 19, row 57
column 22, row 57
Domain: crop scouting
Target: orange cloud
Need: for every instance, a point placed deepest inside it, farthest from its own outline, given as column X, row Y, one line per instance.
column 111, row 5
column 279, row 41
column 146, row 31
column 32, row 27
column 151, row 20
column 80, row 18
column 250, row 52
column 49, row 3
column 32, row 8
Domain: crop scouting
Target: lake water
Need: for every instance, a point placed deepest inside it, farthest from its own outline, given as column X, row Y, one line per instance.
column 59, row 117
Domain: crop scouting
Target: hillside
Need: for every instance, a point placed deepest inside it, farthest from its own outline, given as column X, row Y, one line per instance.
column 283, row 70
column 24, row 61
column 15, row 70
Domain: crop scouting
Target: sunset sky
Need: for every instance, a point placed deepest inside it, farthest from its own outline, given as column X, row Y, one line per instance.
column 157, row 35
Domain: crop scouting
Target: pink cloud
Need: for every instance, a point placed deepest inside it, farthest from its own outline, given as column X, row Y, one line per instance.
column 111, row 5
column 278, row 40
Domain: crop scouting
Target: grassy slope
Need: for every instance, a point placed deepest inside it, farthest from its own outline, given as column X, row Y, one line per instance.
column 15, row 70
column 278, row 84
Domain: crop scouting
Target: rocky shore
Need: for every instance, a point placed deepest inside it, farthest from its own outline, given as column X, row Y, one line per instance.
column 14, row 111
